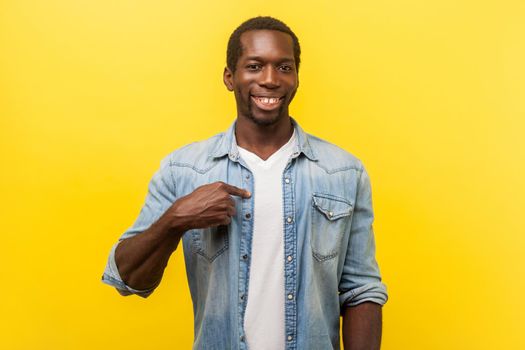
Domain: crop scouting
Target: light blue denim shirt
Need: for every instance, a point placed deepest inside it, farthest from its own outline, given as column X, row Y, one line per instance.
column 329, row 249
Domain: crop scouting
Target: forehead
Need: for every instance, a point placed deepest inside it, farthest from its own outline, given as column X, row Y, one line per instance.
column 267, row 43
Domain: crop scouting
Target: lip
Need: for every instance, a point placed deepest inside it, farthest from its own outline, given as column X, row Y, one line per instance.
column 267, row 106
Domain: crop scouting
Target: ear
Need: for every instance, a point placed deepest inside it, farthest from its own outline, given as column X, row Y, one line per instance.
column 227, row 77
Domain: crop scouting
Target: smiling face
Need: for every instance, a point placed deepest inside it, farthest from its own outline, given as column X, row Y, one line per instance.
column 265, row 78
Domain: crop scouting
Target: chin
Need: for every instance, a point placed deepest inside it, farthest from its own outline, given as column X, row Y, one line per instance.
column 266, row 120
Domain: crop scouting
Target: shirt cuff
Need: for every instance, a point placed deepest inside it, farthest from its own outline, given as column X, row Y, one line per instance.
column 374, row 292
column 112, row 277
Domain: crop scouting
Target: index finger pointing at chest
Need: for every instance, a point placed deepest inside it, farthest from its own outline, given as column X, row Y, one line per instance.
column 236, row 191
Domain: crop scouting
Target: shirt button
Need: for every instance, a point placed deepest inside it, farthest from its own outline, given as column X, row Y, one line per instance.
column 289, row 258
column 289, row 338
column 330, row 213
column 247, row 176
column 242, row 337
column 289, row 219
column 242, row 296
column 287, row 180
column 245, row 257
column 290, row 296
column 248, row 216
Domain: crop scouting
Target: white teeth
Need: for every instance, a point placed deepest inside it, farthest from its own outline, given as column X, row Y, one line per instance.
column 268, row 100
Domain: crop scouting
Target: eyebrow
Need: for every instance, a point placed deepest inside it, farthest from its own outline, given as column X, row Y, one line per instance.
column 259, row 58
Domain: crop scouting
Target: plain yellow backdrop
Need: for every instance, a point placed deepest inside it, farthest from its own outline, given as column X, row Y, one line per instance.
column 430, row 95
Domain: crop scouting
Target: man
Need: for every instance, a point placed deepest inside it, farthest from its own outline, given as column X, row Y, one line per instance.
column 276, row 224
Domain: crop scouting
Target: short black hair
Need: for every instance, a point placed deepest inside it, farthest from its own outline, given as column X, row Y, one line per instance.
column 234, row 50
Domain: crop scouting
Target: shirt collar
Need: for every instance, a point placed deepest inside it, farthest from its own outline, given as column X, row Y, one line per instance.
column 227, row 144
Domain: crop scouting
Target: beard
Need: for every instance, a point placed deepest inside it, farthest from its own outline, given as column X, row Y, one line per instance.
column 265, row 121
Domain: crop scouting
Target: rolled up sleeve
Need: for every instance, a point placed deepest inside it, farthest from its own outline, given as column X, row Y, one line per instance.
column 361, row 279
column 161, row 194
column 112, row 278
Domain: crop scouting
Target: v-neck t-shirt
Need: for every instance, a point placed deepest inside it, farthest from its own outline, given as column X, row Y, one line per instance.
column 264, row 318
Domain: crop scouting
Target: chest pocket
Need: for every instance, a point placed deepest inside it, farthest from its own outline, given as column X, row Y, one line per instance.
column 330, row 217
column 210, row 242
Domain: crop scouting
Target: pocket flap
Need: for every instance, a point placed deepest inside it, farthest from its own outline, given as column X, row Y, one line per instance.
column 331, row 206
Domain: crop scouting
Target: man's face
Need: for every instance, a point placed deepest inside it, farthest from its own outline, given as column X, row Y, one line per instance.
column 265, row 79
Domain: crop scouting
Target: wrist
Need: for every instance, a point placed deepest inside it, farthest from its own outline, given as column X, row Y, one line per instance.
column 176, row 224
column 166, row 230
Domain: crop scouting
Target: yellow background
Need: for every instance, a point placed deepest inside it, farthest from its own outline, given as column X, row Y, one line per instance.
column 429, row 94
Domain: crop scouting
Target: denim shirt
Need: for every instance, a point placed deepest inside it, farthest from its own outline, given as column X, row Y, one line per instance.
column 329, row 249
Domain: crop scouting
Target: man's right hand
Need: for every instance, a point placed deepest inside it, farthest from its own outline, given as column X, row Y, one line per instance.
column 141, row 259
column 207, row 206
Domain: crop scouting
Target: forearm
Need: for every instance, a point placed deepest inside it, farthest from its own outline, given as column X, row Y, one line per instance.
column 141, row 259
column 362, row 327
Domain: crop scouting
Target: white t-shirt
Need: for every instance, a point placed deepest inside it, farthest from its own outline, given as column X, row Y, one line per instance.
column 264, row 318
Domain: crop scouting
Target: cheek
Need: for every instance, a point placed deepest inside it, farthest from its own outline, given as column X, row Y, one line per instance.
column 244, row 93
column 294, row 83
column 242, row 98
column 239, row 93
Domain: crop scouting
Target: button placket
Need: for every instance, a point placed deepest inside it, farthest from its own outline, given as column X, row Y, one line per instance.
column 290, row 254
column 244, row 248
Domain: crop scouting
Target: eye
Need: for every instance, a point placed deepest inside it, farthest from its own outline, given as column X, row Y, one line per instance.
column 253, row 66
column 285, row 68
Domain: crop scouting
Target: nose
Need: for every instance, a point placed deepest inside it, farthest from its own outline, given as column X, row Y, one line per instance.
column 269, row 78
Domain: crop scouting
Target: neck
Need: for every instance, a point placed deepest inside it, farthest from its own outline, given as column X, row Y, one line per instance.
column 263, row 140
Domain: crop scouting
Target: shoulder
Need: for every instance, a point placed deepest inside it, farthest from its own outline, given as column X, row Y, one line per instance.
column 196, row 155
column 333, row 158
